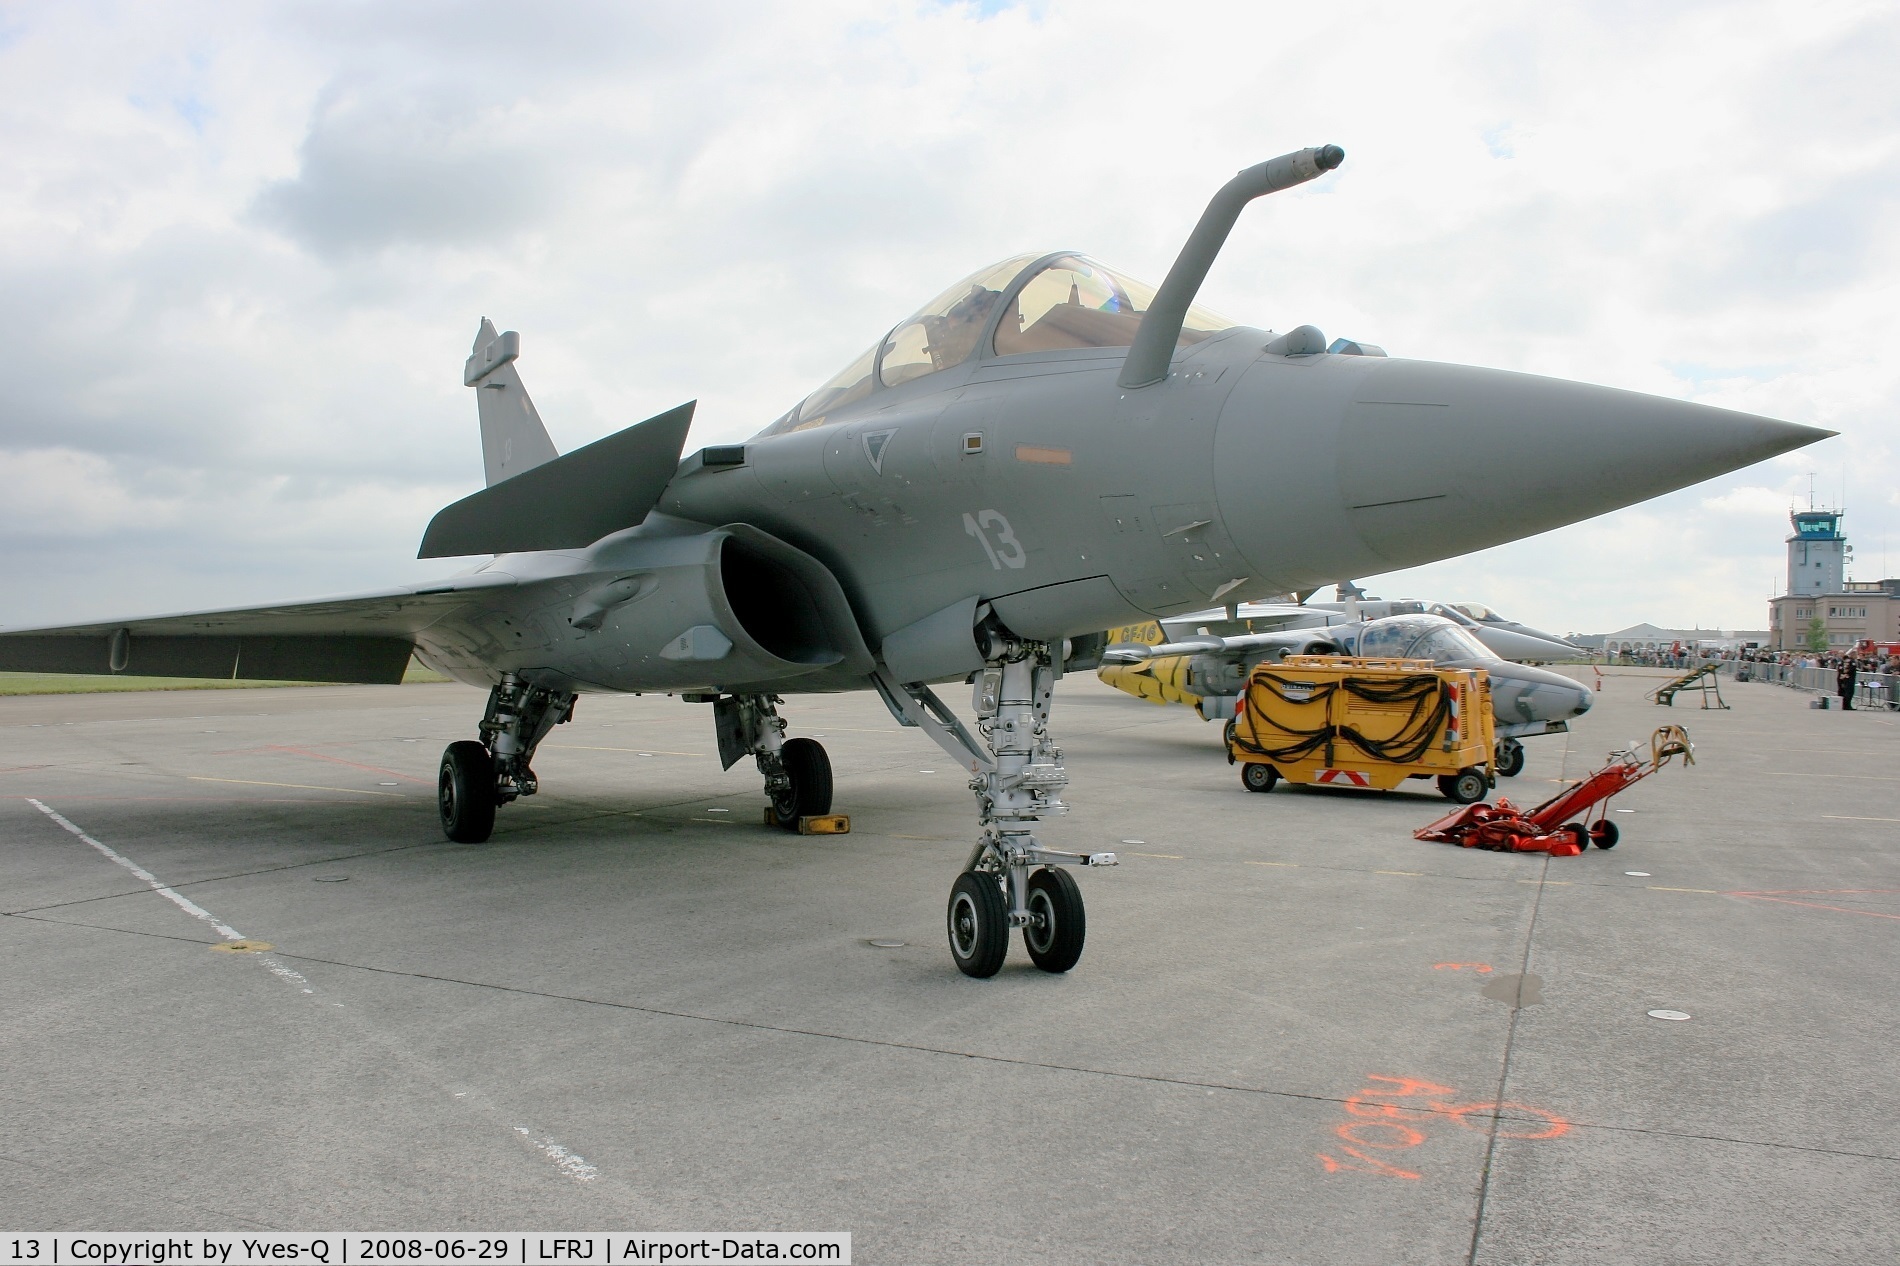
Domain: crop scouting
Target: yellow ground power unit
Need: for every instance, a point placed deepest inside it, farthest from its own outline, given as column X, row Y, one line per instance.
column 1327, row 720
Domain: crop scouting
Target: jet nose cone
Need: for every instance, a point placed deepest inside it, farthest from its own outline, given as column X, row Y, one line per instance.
column 1438, row 460
column 1535, row 694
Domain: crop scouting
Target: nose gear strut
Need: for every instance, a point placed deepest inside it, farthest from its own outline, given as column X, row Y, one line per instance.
column 1016, row 772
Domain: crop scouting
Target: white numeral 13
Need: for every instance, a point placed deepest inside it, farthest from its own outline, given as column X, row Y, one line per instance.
column 1007, row 551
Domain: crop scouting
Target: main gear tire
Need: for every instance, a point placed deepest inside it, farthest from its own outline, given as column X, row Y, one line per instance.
column 466, row 792
column 978, row 921
column 1059, row 923
column 809, row 768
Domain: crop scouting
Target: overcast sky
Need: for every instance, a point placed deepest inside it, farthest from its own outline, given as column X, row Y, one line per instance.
column 244, row 248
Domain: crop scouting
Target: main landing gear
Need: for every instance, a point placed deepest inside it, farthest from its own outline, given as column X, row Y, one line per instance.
column 1010, row 880
column 797, row 771
column 479, row 776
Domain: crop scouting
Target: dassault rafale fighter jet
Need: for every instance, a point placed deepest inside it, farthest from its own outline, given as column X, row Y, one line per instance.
column 1046, row 449
column 1207, row 668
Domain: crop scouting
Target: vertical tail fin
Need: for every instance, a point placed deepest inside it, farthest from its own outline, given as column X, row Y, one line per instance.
column 513, row 439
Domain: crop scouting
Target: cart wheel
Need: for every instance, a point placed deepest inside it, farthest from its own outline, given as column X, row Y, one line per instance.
column 1258, row 777
column 1467, row 786
column 1604, row 834
column 1579, row 835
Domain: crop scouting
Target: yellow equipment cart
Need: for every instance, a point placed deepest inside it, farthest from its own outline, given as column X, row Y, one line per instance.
column 1327, row 720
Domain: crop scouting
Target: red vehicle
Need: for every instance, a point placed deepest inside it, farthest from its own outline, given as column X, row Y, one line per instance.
column 1561, row 825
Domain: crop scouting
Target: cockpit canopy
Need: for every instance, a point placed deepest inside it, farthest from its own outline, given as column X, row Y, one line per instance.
column 1032, row 303
column 1420, row 637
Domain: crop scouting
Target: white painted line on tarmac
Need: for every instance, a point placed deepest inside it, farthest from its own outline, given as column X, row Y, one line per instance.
column 184, row 903
column 575, row 1167
column 276, row 968
column 569, row 1164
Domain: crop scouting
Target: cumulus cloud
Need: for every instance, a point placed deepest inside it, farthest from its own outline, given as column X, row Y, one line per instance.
column 243, row 251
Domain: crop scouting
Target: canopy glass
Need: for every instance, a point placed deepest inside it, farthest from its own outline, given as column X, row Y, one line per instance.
column 1420, row 637
column 1070, row 302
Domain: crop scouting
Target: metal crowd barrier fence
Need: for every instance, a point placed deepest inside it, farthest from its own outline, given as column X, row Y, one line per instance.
column 1875, row 690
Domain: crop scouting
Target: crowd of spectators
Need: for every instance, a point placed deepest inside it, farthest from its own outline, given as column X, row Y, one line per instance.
column 1679, row 655
column 1872, row 678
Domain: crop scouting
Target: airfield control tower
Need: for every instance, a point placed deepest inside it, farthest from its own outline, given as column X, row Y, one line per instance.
column 1817, row 553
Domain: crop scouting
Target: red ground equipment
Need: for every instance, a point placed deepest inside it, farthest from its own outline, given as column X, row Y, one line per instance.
column 1561, row 825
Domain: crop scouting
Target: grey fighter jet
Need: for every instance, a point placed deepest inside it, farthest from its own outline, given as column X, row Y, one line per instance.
column 1207, row 669
column 1047, row 448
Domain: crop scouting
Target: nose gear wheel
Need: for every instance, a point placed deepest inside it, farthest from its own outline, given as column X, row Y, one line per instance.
column 1058, row 924
column 1017, row 775
column 978, row 923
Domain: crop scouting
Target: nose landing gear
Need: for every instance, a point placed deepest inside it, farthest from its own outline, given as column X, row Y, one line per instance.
column 1510, row 757
column 1010, row 879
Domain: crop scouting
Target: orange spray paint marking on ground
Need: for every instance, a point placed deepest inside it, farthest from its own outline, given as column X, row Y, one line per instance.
column 1553, row 1125
column 1477, row 967
column 1393, row 1114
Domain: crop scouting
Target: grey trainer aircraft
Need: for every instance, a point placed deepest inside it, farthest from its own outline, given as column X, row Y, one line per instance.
column 1204, row 664
column 1506, row 639
column 1045, row 449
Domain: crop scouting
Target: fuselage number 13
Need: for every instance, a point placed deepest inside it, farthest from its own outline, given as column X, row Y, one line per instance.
column 999, row 542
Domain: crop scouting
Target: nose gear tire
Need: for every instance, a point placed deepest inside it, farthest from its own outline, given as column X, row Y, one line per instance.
column 1054, row 939
column 1510, row 758
column 979, row 924
column 465, row 792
